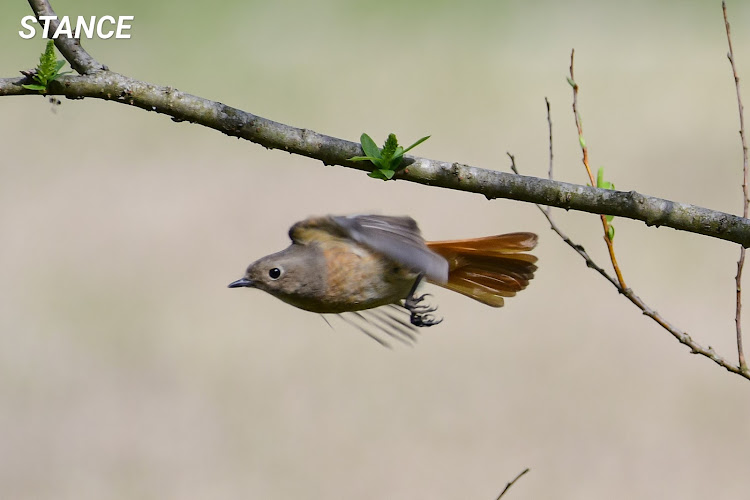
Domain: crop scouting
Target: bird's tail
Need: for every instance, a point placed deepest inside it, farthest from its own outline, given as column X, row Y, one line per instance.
column 488, row 269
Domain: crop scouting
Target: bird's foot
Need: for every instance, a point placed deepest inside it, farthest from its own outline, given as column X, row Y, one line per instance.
column 421, row 314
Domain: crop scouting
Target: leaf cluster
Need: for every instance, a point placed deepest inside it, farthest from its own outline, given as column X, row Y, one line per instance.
column 387, row 160
column 48, row 69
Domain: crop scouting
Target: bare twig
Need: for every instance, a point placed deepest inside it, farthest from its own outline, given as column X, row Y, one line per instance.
column 745, row 200
column 551, row 154
column 681, row 336
column 584, row 148
column 578, row 248
column 507, row 486
column 579, row 124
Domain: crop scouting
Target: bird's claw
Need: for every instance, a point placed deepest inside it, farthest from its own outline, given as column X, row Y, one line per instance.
column 420, row 314
column 412, row 304
column 424, row 319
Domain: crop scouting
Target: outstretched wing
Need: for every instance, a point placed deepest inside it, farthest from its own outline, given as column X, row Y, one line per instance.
column 398, row 238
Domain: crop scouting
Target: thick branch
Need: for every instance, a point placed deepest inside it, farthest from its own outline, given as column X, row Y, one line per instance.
column 112, row 86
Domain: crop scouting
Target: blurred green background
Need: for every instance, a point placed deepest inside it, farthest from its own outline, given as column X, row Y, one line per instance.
column 129, row 370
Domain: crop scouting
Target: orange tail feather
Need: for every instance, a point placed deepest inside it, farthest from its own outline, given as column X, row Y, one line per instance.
column 488, row 269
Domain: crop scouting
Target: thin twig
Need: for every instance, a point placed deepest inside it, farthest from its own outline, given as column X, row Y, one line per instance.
column 681, row 336
column 551, row 154
column 584, row 148
column 745, row 200
column 507, row 486
column 579, row 124
column 578, row 248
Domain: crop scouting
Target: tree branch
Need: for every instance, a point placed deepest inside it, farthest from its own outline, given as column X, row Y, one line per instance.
column 111, row 86
column 98, row 82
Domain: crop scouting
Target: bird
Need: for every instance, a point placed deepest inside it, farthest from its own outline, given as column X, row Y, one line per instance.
column 358, row 263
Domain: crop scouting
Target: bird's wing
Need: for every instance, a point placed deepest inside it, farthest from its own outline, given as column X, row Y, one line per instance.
column 398, row 238
column 315, row 229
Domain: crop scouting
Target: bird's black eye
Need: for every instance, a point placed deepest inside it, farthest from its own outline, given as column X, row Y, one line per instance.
column 274, row 273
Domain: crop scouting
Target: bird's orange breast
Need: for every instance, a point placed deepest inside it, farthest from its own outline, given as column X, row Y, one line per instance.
column 358, row 278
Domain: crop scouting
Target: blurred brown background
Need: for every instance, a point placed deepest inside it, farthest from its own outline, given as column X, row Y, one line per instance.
column 129, row 370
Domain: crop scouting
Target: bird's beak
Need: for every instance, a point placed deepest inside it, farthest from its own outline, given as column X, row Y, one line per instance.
column 241, row 282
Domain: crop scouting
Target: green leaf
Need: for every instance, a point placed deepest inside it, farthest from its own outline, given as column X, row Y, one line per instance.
column 571, row 82
column 609, row 217
column 369, row 146
column 600, row 182
column 386, row 160
column 48, row 69
column 582, row 141
column 383, row 174
column 378, row 162
column 47, row 59
column 420, row 141
column 611, row 233
column 389, row 148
